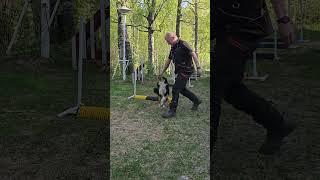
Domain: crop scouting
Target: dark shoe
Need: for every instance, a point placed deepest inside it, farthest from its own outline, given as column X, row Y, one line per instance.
column 195, row 105
column 274, row 140
column 169, row 114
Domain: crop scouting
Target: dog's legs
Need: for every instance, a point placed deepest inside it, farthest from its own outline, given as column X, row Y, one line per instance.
column 163, row 100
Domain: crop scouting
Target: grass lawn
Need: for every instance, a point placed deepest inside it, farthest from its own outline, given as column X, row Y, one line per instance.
column 146, row 146
column 35, row 144
column 293, row 85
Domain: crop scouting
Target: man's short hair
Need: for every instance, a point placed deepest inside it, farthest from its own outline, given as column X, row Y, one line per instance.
column 170, row 34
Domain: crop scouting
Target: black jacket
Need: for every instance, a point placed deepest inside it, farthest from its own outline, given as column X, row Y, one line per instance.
column 248, row 18
column 180, row 53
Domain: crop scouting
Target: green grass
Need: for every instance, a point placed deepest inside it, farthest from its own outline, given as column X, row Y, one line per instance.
column 312, row 32
column 146, row 146
column 35, row 144
column 293, row 85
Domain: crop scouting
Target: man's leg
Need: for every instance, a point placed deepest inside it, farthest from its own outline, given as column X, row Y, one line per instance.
column 232, row 54
column 249, row 102
column 263, row 113
column 179, row 84
column 192, row 97
column 228, row 64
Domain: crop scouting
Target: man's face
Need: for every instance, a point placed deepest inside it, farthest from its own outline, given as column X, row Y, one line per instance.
column 170, row 40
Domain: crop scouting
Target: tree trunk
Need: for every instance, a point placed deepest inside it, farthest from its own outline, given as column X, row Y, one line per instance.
column 178, row 21
column 6, row 5
column 45, row 37
column 196, row 27
column 36, row 11
column 289, row 8
column 150, row 35
column 120, row 36
column 150, row 50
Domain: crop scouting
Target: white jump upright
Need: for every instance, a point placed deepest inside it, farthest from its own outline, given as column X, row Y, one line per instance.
column 134, row 82
column 123, row 11
column 255, row 75
column 46, row 21
column 74, row 110
column 275, row 52
column 142, row 71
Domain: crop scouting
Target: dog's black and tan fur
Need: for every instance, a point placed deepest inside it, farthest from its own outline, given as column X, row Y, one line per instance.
column 162, row 90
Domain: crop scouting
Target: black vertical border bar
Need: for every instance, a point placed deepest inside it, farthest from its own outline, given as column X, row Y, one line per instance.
column 107, row 9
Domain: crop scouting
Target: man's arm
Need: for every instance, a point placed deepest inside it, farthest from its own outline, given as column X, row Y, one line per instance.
column 197, row 63
column 166, row 65
column 196, row 60
column 285, row 29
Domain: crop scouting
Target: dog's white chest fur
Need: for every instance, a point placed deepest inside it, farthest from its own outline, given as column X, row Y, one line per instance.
column 163, row 91
column 162, row 88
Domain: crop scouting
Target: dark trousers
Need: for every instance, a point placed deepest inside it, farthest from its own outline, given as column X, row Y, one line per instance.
column 229, row 66
column 180, row 87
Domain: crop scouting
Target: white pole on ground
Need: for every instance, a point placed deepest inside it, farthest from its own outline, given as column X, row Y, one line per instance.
column 103, row 31
column 15, row 33
column 45, row 36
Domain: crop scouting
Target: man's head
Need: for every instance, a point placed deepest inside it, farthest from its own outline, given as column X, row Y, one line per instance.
column 171, row 38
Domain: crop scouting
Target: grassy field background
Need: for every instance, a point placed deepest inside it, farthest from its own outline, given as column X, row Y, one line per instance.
column 146, row 146
column 34, row 143
column 294, row 86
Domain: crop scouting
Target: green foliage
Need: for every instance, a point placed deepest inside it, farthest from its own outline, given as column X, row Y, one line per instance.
column 165, row 22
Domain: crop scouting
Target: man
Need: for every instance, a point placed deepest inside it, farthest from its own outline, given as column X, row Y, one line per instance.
column 240, row 25
column 181, row 54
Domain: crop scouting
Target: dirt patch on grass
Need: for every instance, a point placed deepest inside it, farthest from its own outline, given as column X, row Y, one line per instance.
column 129, row 132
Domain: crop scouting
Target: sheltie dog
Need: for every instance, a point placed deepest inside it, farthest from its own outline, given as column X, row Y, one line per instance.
column 162, row 90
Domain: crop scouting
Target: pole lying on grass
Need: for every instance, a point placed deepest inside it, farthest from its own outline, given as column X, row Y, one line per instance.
column 141, row 97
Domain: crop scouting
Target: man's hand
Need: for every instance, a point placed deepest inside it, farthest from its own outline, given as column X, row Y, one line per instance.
column 285, row 28
column 287, row 33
